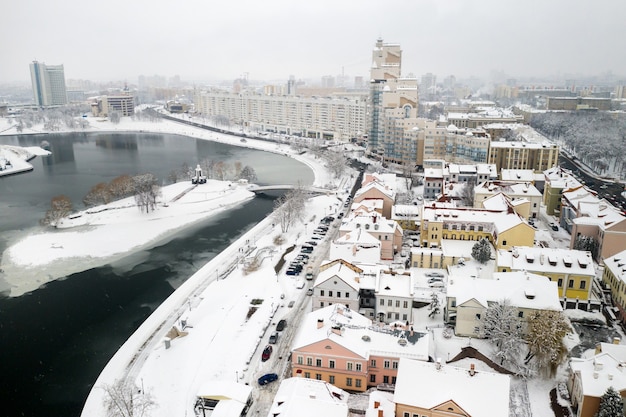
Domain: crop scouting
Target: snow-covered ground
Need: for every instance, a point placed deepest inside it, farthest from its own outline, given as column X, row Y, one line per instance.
column 104, row 234
column 224, row 341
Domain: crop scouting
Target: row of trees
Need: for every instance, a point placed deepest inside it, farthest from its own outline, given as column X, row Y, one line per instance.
column 144, row 187
column 598, row 139
column 218, row 170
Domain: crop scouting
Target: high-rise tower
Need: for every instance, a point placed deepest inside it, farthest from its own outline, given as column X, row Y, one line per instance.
column 48, row 84
column 394, row 101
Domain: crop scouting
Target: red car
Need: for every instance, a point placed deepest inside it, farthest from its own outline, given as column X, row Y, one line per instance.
column 267, row 352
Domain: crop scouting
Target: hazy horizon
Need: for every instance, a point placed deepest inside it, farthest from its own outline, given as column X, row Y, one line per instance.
column 274, row 39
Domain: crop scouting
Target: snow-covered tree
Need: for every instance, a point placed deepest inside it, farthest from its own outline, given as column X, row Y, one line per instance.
column 501, row 325
column 146, row 191
column 481, row 251
column 121, row 187
column 60, row 206
column 248, row 173
column 434, row 304
column 125, row 399
column 99, row 194
column 546, row 330
column 611, row 404
column 289, row 208
column 468, row 192
column 336, row 163
column 586, row 243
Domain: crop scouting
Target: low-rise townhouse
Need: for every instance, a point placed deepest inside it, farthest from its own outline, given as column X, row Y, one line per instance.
column 338, row 282
column 303, row 397
column 572, row 270
column 515, row 191
column 388, row 232
column 590, row 378
column 377, row 191
column 468, row 298
column 440, row 390
column 503, row 229
column 557, row 181
column 340, row 346
column 614, row 276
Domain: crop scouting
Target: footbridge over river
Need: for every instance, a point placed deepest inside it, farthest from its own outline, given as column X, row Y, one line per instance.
column 260, row 189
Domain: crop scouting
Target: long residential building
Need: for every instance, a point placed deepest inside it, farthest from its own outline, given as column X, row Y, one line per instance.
column 48, row 84
column 332, row 118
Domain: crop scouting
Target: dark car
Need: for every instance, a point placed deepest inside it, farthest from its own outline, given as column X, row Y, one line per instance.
column 267, row 352
column 267, row 378
column 281, row 325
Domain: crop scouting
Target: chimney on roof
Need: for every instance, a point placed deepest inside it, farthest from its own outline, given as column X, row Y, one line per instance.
column 376, row 404
column 472, row 370
column 616, row 340
column 438, row 363
column 320, row 323
column 380, row 412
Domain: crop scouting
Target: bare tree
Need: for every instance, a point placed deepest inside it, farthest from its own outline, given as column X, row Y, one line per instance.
column 289, row 208
column 468, row 192
column 248, row 173
column 125, row 399
column 121, row 187
column 336, row 163
column 146, row 191
column 60, row 206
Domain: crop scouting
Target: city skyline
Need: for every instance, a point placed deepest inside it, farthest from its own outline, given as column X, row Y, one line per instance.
column 278, row 38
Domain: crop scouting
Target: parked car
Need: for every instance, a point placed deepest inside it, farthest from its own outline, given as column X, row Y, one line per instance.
column 273, row 339
column 267, row 378
column 312, row 243
column 434, row 274
column 292, row 272
column 281, row 325
column 434, row 279
column 267, row 352
column 309, row 291
column 554, row 227
column 436, row 284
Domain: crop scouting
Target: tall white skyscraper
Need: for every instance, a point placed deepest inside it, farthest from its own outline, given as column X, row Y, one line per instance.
column 48, row 84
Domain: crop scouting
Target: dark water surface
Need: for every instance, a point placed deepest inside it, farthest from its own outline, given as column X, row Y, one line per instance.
column 55, row 341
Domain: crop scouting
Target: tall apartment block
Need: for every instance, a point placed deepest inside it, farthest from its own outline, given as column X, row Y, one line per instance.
column 393, row 105
column 48, row 84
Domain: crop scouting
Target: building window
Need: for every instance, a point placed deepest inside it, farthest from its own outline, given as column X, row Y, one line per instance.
column 404, row 317
column 382, row 302
column 583, row 284
column 397, row 303
column 386, row 364
column 397, row 316
column 560, row 283
column 307, row 375
column 373, row 363
column 478, row 316
column 318, row 377
column 570, row 283
column 348, row 382
column 358, row 383
column 405, row 304
column 338, row 294
column 389, row 316
column 347, row 295
column 330, row 293
column 321, row 304
column 349, row 366
column 322, row 293
column 504, row 243
column 406, row 414
column 394, row 364
column 373, row 378
column 385, row 379
column 358, row 366
column 318, row 363
column 389, row 303
column 300, row 360
column 393, row 380
column 331, row 364
column 309, row 361
column 520, row 314
column 331, row 379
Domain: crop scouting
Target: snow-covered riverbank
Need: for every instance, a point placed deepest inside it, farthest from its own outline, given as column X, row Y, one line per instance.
column 104, row 236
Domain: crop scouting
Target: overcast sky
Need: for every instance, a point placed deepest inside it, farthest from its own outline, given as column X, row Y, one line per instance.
column 272, row 39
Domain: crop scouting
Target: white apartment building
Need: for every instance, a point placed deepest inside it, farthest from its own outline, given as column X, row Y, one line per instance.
column 332, row 118
column 48, row 84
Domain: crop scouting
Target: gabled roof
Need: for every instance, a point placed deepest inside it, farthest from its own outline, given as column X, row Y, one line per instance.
column 357, row 334
column 598, row 373
column 382, row 189
column 522, row 289
column 427, row 385
column 304, row 397
column 341, row 270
